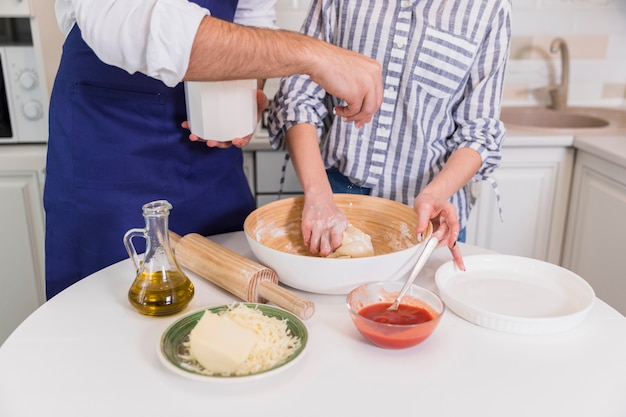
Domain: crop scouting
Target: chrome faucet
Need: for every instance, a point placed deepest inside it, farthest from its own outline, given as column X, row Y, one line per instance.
column 558, row 94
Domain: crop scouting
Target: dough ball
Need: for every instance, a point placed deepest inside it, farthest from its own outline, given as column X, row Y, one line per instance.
column 355, row 244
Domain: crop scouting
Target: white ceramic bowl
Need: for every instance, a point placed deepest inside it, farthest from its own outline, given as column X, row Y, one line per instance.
column 274, row 234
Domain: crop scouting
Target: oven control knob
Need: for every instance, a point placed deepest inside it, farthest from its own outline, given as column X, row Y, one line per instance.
column 28, row 79
column 32, row 110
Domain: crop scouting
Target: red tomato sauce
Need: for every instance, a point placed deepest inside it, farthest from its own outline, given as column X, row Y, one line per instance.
column 405, row 314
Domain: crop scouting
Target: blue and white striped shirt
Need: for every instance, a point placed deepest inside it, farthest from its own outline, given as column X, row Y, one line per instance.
column 443, row 69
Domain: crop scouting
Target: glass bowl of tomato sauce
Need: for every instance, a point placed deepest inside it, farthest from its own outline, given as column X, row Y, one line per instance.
column 416, row 318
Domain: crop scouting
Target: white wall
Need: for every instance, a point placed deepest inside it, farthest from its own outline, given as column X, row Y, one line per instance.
column 594, row 29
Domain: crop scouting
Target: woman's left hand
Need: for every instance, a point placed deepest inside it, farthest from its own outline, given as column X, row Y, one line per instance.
column 445, row 219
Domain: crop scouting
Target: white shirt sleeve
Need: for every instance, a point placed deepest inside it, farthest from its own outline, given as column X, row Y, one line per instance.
column 153, row 37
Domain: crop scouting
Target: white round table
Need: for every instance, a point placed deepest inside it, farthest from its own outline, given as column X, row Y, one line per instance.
column 86, row 352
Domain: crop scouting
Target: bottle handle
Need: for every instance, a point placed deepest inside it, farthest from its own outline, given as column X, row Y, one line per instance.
column 130, row 248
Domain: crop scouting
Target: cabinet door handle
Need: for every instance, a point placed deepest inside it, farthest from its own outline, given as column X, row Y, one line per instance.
column 474, row 191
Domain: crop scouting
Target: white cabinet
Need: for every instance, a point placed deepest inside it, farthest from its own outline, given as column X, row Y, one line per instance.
column 248, row 169
column 596, row 228
column 22, row 279
column 534, row 186
column 268, row 173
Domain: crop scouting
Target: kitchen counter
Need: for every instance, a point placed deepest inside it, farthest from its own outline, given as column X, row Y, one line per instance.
column 610, row 148
column 260, row 141
column 524, row 139
column 87, row 353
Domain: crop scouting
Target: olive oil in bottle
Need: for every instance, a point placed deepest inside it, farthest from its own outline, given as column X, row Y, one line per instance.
column 159, row 295
column 160, row 287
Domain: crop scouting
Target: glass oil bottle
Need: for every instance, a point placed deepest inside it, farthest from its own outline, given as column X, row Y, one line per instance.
column 160, row 287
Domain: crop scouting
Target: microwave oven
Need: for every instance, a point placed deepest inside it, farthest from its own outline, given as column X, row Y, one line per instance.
column 22, row 111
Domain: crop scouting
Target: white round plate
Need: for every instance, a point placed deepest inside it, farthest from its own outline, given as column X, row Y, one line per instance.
column 515, row 294
column 174, row 350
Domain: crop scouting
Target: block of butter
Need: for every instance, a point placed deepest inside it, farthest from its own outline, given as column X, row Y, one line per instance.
column 219, row 344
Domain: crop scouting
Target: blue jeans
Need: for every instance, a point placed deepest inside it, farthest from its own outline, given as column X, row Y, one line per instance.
column 461, row 237
column 340, row 184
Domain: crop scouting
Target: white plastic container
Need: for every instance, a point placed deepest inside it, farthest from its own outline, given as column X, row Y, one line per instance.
column 221, row 110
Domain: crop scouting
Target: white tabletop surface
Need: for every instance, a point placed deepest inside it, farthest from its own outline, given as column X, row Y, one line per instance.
column 87, row 353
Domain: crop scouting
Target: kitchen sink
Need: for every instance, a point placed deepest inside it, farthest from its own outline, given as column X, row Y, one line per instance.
column 568, row 120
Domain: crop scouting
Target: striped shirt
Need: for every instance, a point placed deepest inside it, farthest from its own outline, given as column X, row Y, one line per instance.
column 443, row 69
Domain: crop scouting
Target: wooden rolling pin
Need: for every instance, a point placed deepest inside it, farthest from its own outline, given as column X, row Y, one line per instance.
column 236, row 274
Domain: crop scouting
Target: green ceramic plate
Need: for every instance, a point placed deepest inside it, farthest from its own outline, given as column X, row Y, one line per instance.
column 174, row 350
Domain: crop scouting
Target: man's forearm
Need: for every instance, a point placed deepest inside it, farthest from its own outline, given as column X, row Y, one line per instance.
column 224, row 50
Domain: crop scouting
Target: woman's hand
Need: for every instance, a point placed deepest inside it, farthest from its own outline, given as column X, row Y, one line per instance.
column 323, row 224
column 262, row 103
column 445, row 219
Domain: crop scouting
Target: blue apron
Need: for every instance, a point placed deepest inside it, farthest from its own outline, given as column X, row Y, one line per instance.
column 115, row 143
